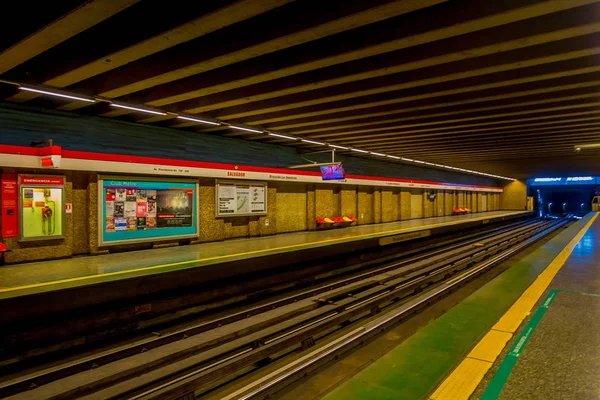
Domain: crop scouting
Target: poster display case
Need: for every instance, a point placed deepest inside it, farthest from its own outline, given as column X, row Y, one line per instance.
column 240, row 199
column 141, row 210
column 41, row 207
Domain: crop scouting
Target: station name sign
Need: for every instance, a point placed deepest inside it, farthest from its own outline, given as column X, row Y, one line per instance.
column 569, row 180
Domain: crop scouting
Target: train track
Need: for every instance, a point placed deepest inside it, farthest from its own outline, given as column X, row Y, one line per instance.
column 196, row 360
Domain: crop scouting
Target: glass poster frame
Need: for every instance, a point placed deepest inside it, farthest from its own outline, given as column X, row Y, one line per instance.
column 135, row 209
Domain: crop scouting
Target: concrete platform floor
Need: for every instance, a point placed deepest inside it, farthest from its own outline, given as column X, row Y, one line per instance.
column 415, row 367
column 561, row 360
column 24, row 278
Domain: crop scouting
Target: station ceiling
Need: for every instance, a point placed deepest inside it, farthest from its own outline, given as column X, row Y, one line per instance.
column 504, row 87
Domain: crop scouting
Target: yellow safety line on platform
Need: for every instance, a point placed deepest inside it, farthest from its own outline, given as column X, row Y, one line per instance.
column 463, row 381
column 132, row 271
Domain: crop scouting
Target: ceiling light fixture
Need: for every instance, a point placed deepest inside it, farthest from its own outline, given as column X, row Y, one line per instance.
column 312, row 142
column 138, row 109
column 56, row 94
column 579, row 147
column 241, row 128
column 282, row 136
column 201, row 121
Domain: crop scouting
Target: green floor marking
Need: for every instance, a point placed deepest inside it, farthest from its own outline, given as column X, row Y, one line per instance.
column 495, row 387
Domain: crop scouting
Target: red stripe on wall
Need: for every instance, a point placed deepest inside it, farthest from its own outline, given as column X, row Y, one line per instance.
column 85, row 155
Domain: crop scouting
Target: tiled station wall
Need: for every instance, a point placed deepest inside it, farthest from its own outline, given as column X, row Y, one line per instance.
column 291, row 207
column 514, row 196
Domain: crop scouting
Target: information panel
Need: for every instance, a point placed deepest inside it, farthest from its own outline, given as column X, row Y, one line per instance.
column 237, row 199
column 141, row 210
column 41, row 207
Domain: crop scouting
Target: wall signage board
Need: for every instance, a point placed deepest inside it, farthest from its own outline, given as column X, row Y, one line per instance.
column 240, row 198
column 135, row 210
column 567, row 180
column 10, row 219
column 41, row 207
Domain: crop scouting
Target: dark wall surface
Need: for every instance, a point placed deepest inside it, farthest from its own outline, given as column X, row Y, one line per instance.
column 20, row 125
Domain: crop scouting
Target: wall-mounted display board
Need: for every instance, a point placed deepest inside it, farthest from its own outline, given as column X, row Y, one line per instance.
column 41, row 207
column 136, row 210
column 239, row 199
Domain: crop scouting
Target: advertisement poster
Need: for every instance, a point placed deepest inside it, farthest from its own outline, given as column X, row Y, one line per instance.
column 140, row 210
column 241, row 199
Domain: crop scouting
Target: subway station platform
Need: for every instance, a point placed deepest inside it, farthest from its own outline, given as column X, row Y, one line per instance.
column 87, row 281
column 34, row 277
column 530, row 333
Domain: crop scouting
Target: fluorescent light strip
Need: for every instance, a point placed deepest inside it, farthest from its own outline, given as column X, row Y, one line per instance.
column 198, row 120
column 138, row 109
column 282, row 136
column 56, row 94
column 245, row 129
column 312, row 142
column 202, row 121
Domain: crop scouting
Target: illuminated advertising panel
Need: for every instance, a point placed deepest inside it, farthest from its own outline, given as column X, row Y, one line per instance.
column 133, row 210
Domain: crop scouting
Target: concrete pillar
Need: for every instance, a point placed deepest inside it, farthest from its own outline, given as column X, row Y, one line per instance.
column 377, row 209
column 388, row 208
column 348, row 202
column 404, row 204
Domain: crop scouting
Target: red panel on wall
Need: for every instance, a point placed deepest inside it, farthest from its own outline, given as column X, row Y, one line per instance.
column 9, row 206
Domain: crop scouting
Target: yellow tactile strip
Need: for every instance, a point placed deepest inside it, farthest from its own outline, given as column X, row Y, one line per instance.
column 489, row 348
column 463, row 381
column 465, row 378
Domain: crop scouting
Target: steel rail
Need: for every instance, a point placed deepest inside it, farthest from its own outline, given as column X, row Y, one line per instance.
column 44, row 377
column 150, row 391
column 293, row 371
